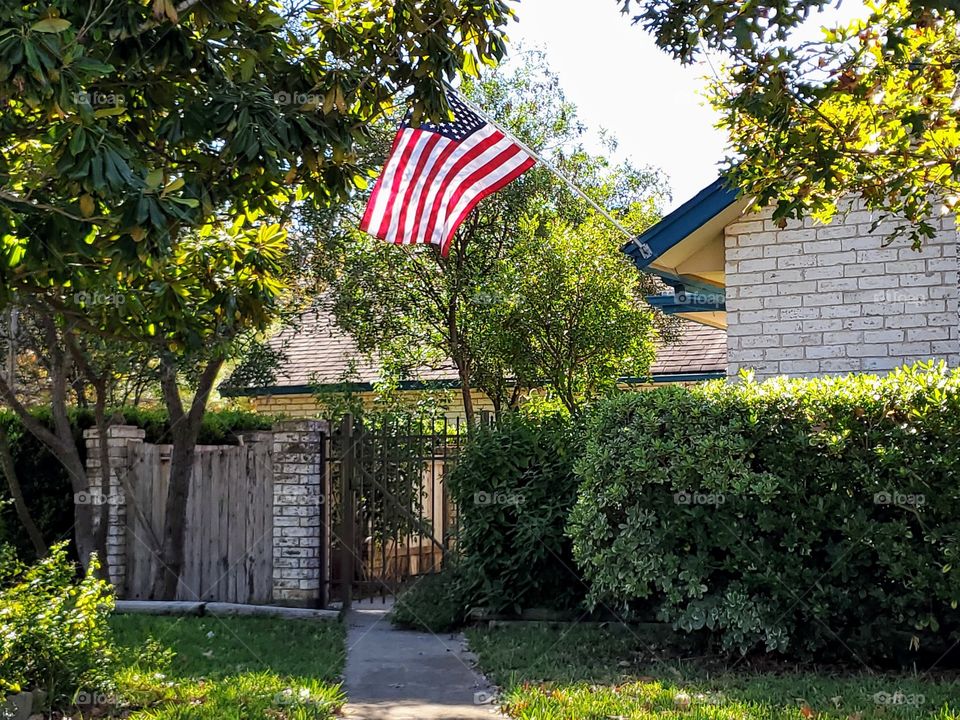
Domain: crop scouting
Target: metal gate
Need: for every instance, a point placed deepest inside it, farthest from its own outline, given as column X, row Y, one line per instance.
column 391, row 514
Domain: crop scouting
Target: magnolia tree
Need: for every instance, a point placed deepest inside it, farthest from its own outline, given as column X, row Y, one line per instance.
column 154, row 152
column 869, row 108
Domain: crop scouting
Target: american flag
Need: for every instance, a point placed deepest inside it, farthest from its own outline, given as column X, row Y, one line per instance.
column 436, row 174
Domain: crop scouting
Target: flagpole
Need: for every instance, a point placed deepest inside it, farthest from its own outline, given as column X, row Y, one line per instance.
column 546, row 163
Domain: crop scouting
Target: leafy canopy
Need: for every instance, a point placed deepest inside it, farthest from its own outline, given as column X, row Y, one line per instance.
column 868, row 109
column 128, row 127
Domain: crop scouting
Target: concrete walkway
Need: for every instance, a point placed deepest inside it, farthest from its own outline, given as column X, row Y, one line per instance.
column 403, row 675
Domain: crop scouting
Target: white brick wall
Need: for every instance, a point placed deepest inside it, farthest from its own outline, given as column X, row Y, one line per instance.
column 814, row 299
column 297, row 511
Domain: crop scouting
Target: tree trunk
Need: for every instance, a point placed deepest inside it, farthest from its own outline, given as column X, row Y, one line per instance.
column 185, row 428
column 61, row 444
column 16, row 492
column 467, row 395
column 102, row 521
column 462, row 363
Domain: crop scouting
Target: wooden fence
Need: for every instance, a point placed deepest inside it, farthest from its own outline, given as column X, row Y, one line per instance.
column 228, row 554
column 293, row 516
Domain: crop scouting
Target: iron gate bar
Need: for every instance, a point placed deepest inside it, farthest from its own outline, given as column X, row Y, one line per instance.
column 402, row 507
column 393, row 494
column 347, row 568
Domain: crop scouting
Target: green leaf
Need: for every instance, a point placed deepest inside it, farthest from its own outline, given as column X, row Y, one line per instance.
column 110, row 111
column 174, row 185
column 51, row 25
column 78, row 141
column 154, row 178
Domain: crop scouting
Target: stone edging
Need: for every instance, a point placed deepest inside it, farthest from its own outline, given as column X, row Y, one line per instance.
column 215, row 609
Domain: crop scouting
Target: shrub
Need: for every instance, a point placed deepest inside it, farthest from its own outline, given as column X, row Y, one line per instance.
column 53, row 628
column 46, row 485
column 434, row 603
column 803, row 516
column 514, row 487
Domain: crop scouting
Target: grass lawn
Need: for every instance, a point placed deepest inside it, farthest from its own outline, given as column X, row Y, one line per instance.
column 228, row 669
column 594, row 673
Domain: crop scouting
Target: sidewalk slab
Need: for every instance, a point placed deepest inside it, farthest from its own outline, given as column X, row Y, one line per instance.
column 408, row 675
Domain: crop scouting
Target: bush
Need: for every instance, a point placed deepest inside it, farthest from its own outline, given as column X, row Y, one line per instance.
column 801, row 516
column 434, row 603
column 53, row 629
column 46, row 485
column 514, row 487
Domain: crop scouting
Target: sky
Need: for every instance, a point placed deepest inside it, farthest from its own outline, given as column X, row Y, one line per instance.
column 619, row 79
column 622, row 82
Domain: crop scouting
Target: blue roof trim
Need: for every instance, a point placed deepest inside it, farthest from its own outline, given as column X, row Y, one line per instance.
column 676, row 378
column 696, row 212
column 688, row 296
column 676, row 304
column 435, row 385
column 335, row 387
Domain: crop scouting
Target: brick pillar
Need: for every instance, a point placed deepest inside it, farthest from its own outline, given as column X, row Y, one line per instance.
column 121, row 446
column 297, row 512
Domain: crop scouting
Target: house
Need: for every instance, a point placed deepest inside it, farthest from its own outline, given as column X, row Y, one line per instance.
column 805, row 299
column 319, row 356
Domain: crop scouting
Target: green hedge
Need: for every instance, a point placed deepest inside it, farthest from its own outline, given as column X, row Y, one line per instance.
column 797, row 516
column 46, row 486
column 514, row 487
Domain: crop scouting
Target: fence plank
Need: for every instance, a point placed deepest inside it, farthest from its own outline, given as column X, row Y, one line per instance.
column 135, row 481
column 223, row 538
column 236, row 482
column 196, row 536
column 228, row 548
column 161, row 482
column 257, row 483
column 210, row 528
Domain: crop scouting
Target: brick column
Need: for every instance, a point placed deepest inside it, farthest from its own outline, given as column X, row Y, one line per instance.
column 297, row 512
column 121, row 446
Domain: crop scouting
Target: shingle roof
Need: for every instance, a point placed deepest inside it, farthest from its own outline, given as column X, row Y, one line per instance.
column 319, row 352
column 698, row 349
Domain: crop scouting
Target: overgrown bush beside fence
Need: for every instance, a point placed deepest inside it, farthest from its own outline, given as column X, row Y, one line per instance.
column 54, row 635
column 514, row 487
column 46, row 486
column 799, row 516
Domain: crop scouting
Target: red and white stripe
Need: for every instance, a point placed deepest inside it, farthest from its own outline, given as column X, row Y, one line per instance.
column 431, row 183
